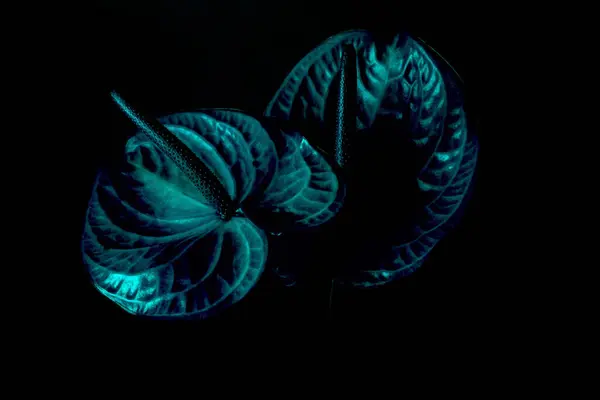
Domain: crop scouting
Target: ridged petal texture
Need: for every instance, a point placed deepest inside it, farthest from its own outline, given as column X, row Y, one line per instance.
column 153, row 246
column 296, row 189
column 404, row 89
column 305, row 191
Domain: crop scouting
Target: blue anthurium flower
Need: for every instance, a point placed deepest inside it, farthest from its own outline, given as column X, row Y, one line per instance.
column 408, row 114
column 166, row 232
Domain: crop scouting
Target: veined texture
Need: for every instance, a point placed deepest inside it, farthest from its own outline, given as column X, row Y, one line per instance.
column 402, row 91
column 154, row 246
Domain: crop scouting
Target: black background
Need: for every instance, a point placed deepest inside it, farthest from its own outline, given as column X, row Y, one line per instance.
column 176, row 56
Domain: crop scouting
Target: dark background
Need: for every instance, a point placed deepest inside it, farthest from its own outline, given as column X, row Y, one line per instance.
column 175, row 56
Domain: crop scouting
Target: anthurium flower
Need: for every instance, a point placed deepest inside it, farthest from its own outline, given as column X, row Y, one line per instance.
column 409, row 106
column 166, row 231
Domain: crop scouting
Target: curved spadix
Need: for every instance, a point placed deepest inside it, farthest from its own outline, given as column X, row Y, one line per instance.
column 200, row 175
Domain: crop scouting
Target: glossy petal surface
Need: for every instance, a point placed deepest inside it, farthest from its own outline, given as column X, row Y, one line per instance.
column 410, row 95
column 438, row 217
column 396, row 79
column 305, row 192
column 150, row 242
